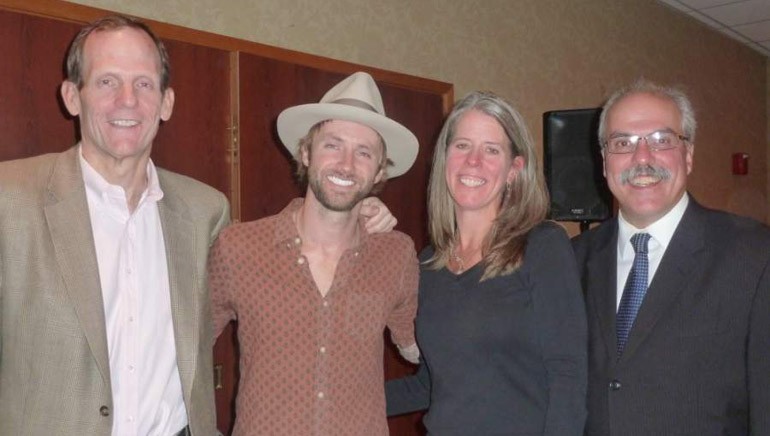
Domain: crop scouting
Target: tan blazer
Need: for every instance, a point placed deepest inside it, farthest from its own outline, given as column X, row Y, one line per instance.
column 54, row 368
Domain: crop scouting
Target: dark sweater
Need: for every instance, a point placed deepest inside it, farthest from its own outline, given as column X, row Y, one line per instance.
column 503, row 357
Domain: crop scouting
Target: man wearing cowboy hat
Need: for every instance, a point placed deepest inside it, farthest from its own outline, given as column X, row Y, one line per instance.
column 311, row 290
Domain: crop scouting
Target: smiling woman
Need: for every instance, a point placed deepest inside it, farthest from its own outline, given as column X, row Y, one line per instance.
column 480, row 166
column 497, row 285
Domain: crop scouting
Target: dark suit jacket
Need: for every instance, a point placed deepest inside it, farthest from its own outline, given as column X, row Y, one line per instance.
column 54, row 365
column 697, row 361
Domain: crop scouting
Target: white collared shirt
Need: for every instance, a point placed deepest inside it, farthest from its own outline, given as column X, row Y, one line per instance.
column 661, row 232
column 131, row 254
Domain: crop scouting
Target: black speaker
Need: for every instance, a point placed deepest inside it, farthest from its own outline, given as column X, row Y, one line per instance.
column 573, row 166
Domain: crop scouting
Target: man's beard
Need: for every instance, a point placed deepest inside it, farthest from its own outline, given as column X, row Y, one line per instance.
column 335, row 202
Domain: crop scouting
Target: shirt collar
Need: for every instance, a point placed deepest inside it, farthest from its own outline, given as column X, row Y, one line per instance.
column 105, row 191
column 661, row 231
column 286, row 229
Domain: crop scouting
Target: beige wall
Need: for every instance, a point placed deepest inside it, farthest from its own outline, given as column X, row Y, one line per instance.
column 541, row 54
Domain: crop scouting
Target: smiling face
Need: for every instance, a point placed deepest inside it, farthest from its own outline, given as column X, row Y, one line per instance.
column 344, row 162
column 479, row 164
column 120, row 104
column 647, row 183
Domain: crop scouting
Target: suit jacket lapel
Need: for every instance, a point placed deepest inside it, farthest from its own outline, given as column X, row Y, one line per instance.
column 681, row 257
column 601, row 284
column 69, row 224
column 179, row 235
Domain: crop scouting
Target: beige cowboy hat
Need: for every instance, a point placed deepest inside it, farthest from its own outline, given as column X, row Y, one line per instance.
column 356, row 99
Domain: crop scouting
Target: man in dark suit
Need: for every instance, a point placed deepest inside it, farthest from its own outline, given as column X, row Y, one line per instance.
column 679, row 316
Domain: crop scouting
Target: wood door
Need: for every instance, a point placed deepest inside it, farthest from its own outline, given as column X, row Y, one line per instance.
column 32, row 119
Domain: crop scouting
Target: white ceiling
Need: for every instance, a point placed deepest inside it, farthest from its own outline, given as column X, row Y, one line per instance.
column 747, row 21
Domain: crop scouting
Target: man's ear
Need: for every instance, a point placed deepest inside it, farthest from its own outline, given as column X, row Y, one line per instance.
column 304, row 156
column 167, row 104
column 70, row 94
column 604, row 163
column 379, row 176
column 689, row 154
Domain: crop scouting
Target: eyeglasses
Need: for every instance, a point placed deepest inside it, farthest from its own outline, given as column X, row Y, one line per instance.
column 657, row 141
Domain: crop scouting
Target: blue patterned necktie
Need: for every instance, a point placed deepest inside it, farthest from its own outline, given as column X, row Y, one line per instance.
column 633, row 292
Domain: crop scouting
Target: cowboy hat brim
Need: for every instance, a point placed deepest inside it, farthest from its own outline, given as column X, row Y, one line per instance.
column 401, row 144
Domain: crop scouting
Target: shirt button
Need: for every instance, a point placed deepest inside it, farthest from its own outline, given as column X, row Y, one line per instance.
column 615, row 385
column 325, row 303
column 104, row 411
column 355, row 254
column 301, row 260
column 131, row 368
column 297, row 241
column 320, row 395
column 322, row 350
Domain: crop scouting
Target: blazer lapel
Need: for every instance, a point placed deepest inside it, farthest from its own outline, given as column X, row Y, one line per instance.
column 69, row 224
column 601, row 284
column 681, row 257
column 179, row 235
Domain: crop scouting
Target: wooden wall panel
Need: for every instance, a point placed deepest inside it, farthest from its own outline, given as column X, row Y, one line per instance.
column 266, row 88
column 33, row 121
column 196, row 140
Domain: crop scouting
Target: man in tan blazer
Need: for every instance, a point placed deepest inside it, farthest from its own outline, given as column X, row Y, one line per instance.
column 104, row 312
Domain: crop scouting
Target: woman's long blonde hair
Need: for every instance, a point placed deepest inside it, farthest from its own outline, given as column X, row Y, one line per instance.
column 523, row 207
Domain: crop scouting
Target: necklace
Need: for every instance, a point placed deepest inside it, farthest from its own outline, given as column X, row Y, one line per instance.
column 458, row 260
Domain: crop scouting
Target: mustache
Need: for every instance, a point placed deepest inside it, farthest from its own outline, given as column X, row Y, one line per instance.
column 646, row 170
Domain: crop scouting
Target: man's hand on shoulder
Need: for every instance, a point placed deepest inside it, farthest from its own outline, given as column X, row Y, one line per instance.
column 377, row 216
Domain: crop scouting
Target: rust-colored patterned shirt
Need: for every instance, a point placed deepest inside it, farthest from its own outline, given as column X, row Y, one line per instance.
column 311, row 365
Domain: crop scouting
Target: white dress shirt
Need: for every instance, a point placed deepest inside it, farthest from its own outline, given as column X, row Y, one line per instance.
column 661, row 232
column 131, row 254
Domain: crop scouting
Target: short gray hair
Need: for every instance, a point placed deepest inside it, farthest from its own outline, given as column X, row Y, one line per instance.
column 643, row 86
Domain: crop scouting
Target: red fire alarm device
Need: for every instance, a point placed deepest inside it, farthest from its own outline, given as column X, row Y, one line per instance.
column 740, row 164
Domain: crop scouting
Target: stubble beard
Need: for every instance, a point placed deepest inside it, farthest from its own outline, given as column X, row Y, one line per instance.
column 332, row 202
